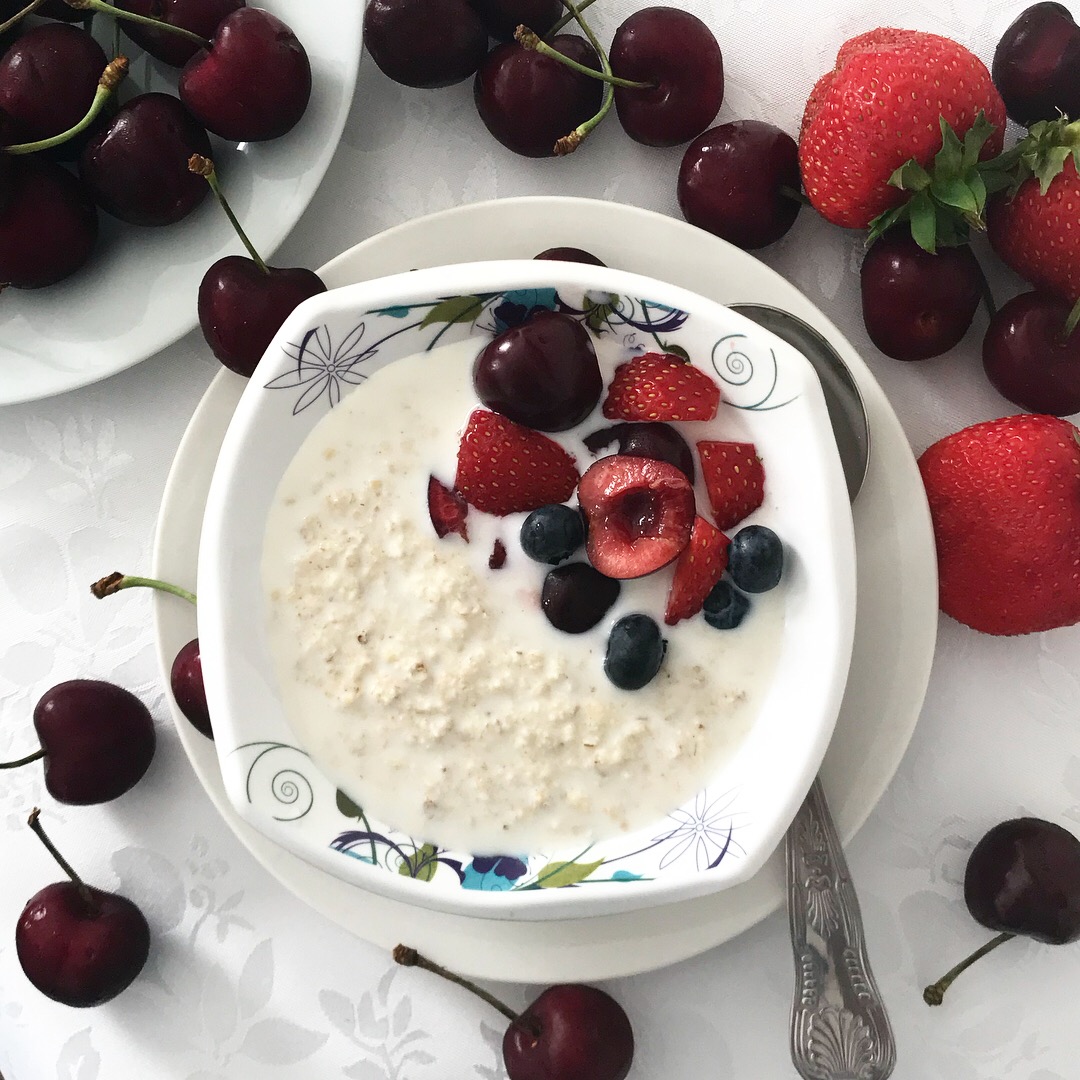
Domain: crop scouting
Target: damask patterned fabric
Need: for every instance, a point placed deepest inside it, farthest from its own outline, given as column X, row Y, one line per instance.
column 244, row 981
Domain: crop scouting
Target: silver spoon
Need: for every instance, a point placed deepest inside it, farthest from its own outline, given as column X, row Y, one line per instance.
column 839, row 1027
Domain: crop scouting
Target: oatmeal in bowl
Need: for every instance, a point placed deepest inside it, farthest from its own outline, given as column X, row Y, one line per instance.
column 526, row 589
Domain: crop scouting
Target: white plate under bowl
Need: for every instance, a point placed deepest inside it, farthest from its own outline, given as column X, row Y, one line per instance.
column 719, row 834
column 138, row 292
column 896, row 619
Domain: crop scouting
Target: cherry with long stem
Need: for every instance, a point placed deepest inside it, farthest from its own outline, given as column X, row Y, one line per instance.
column 569, row 143
column 114, row 74
column 528, row 39
column 935, row 992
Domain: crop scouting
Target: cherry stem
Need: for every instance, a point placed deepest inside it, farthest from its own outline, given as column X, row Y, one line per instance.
column 120, row 13
column 1072, row 321
column 35, row 825
column 528, row 39
column 116, row 581
column 568, row 17
column 19, row 15
column 35, row 756
column 569, row 143
column 407, row 956
column 933, row 994
column 205, row 167
column 794, row 194
column 114, row 74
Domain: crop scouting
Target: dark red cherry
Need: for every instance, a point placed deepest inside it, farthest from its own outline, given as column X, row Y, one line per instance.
column 660, row 442
column 1036, row 65
column 242, row 307
column 201, row 17
column 570, row 254
column 186, row 683
column 1023, row 877
column 425, row 43
column 529, row 101
column 137, row 167
column 916, row 304
column 676, row 53
column 1030, row 359
column 98, row 740
column 543, row 373
column 253, row 84
column 79, row 945
column 575, row 597
column 503, row 17
column 48, row 227
column 49, row 77
column 740, row 182
column 570, row 1032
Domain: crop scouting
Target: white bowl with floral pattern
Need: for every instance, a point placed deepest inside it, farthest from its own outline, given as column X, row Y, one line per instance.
column 721, row 834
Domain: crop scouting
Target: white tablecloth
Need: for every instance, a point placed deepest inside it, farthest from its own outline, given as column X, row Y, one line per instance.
column 243, row 980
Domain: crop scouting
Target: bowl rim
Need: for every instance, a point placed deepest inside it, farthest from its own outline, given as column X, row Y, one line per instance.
column 500, row 276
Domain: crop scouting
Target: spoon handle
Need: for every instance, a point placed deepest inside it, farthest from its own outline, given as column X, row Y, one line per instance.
column 839, row 1027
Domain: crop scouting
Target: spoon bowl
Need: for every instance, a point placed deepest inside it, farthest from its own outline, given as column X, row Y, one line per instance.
column 844, row 402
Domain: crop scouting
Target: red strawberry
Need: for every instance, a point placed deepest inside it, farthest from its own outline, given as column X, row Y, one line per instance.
column 1005, row 501
column 661, row 386
column 698, row 569
column 503, row 468
column 734, row 478
column 447, row 510
column 881, row 106
column 1038, row 234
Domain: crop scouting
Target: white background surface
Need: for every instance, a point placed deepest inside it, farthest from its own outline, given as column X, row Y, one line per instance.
column 243, row 981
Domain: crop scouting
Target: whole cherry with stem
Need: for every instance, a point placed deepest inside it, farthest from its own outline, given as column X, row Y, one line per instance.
column 667, row 74
column 250, row 82
column 185, row 675
column 570, row 1032
column 1022, row 878
column 79, row 945
column 243, row 301
column 96, row 741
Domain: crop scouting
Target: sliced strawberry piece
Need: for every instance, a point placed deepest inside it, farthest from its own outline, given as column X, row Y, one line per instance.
column 734, row 478
column 699, row 568
column 640, row 513
column 661, row 386
column 447, row 509
column 503, row 468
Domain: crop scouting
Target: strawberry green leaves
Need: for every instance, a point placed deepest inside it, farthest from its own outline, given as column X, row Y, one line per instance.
column 948, row 199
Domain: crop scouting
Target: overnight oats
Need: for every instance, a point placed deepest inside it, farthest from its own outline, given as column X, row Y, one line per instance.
column 513, row 603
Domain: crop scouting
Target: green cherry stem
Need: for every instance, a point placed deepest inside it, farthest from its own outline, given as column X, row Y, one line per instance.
column 527, row 39
column 407, row 956
column 569, row 143
column 115, row 582
column 20, row 15
column 130, row 16
column 37, row 755
column 39, row 832
column 1072, row 321
column 205, row 167
column 568, row 17
column 934, row 993
column 111, row 77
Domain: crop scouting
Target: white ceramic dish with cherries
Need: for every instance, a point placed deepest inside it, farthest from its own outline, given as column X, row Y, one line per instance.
column 417, row 713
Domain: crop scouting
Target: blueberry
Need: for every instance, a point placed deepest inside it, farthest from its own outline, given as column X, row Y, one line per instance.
column 575, row 597
column 552, row 533
column 635, row 651
column 756, row 559
column 725, row 606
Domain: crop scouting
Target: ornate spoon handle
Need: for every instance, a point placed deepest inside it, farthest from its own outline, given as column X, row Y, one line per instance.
column 839, row 1027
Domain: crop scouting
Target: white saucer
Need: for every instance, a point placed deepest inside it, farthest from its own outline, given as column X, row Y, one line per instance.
column 896, row 620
